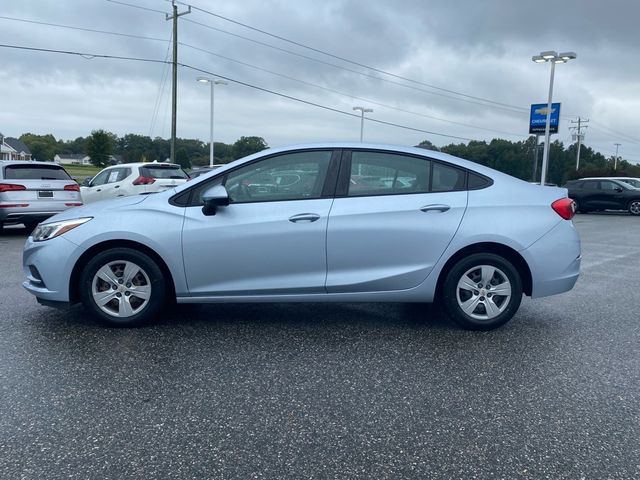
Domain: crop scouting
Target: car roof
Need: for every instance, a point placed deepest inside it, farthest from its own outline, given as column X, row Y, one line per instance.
column 608, row 178
column 28, row 162
column 143, row 164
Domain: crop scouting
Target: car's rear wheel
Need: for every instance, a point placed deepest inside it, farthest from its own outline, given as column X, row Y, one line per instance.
column 482, row 291
column 634, row 207
column 123, row 287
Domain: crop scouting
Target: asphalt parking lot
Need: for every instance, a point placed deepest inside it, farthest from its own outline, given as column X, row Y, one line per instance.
column 330, row 391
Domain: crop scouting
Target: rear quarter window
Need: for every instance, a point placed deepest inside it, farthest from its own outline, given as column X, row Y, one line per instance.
column 35, row 172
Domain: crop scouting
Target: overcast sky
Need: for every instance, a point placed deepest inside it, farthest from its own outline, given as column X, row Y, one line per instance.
column 476, row 48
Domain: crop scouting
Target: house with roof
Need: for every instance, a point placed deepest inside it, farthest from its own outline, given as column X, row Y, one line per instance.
column 13, row 149
column 72, row 159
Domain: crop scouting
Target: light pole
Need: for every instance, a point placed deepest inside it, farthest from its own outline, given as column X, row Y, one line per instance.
column 362, row 112
column 615, row 162
column 213, row 82
column 554, row 58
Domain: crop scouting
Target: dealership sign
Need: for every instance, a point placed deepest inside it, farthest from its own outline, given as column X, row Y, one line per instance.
column 538, row 118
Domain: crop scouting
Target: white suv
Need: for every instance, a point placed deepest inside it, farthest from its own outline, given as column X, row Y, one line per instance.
column 133, row 179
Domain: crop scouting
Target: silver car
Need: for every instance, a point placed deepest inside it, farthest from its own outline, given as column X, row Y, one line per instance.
column 451, row 230
column 31, row 192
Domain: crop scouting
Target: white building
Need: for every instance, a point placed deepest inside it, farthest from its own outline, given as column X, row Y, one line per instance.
column 72, row 159
column 13, row 149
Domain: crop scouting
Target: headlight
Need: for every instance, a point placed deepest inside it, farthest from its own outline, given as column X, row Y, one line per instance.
column 47, row 231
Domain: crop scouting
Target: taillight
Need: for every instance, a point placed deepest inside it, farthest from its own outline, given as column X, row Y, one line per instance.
column 143, row 180
column 565, row 207
column 73, row 187
column 9, row 187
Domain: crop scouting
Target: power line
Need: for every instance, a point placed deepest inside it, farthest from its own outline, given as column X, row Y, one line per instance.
column 136, row 6
column 141, row 37
column 346, row 94
column 83, row 29
column 347, row 60
column 363, row 74
column 90, row 56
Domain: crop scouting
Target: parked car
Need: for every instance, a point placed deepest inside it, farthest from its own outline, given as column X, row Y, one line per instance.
column 456, row 231
column 196, row 172
column 634, row 182
column 133, row 179
column 594, row 194
column 31, row 192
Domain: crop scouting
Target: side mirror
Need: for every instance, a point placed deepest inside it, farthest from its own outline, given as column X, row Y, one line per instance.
column 214, row 197
column 618, row 189
column 86, row 182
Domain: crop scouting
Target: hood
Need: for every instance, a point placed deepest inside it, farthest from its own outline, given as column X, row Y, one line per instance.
column 95, row 208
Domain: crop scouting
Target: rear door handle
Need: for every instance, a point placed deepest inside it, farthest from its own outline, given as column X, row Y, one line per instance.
column 435, row 207
column 304, row 217
column 117, row 186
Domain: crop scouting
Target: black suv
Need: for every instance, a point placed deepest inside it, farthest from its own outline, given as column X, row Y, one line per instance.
column 593, row 195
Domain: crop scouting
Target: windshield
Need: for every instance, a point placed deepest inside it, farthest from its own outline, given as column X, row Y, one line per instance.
column 35, row 172
column 634, row 182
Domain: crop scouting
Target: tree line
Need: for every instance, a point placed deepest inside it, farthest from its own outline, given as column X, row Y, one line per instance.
column 517, row 159
column 100, row 145
column 513, row 158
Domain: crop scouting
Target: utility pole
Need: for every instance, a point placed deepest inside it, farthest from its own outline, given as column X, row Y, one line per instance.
column 579, row 136
column 535, row 159
column 615, row 162
column 174, row 84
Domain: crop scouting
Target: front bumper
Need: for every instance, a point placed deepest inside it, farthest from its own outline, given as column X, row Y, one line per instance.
column 47, row 268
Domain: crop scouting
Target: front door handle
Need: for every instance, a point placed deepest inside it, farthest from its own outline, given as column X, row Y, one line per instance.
column 435, row 207
column 304, row 217
column 117, row 186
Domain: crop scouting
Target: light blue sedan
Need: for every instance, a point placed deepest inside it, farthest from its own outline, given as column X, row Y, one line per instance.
column 315, row 223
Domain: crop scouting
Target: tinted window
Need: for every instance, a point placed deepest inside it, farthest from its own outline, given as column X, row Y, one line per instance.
column 35, row 172
column 608, row 186
column 292, row 176
column 592, row 185
column 163, row 171
column 375, row 173
column 447, row 178
column 475, row 181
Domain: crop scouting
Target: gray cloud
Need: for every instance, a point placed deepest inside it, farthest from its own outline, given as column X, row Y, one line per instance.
column 479, row 48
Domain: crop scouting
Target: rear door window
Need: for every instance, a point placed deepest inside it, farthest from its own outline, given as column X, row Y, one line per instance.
column 378, row 173
column 35, row 172
column 163, row 171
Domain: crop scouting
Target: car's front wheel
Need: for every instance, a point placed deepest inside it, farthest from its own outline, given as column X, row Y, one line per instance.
column 634, row 207
column 123, row 287
column 482, row 291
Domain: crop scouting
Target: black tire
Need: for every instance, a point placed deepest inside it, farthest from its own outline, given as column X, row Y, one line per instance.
column 634, row 207
column 481, row 318
column 116, row 312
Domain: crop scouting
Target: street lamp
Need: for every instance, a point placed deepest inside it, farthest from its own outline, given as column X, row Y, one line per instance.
column 213, row 82
column 362, row 111
column 553, row 58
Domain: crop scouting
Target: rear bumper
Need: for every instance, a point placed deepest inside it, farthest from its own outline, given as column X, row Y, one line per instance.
column 13, row 216
column 554, row 261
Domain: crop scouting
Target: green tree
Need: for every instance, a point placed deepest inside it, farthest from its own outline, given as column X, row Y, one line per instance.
column 43, row 147
column 182, row 158
column 100, row 147
column 247, row 146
